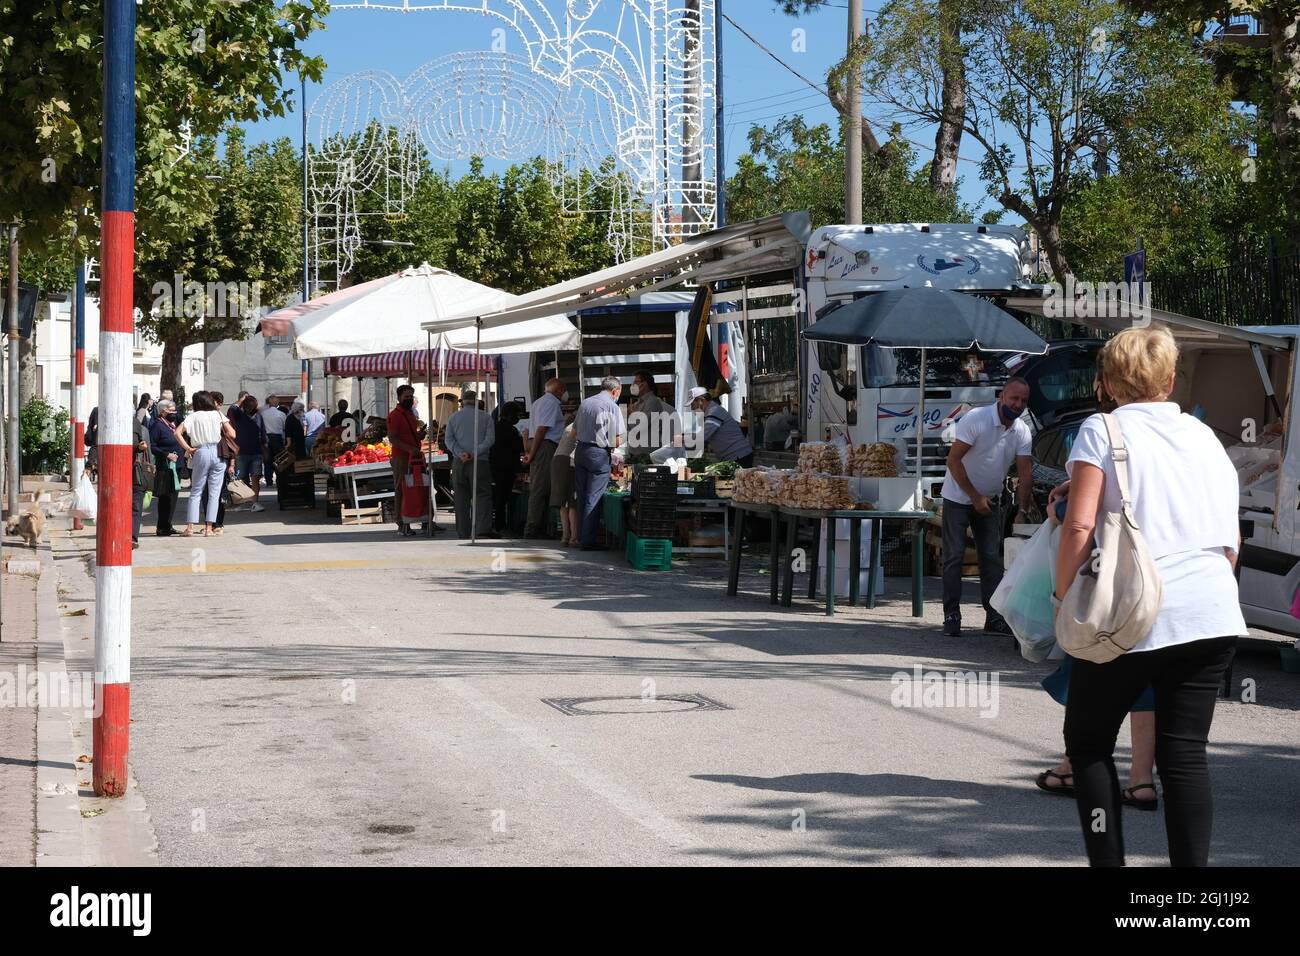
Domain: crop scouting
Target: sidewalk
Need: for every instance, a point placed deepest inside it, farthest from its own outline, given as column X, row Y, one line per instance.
column 17, row 722
column 49, row 815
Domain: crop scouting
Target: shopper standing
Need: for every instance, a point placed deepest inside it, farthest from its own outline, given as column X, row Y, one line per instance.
column 251, row 439
column 470, row 437
column 198, row 436
column 273, row 424
column 167, row 453
column 143, row 452
column 546, row 422
column 989, row 440
column 405, row 436
column 312, row 423
column 1183, row 493
column 599, row 430
column 507, row 452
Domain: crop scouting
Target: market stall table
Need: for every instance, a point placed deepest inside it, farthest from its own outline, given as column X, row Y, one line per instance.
column 743, row 508
column 790, row 517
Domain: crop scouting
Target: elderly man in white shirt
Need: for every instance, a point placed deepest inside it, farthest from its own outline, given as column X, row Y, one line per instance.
column 547, row 417
column 988, row 441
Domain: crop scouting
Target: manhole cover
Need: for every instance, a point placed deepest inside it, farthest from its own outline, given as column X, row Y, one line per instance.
column 661, row 704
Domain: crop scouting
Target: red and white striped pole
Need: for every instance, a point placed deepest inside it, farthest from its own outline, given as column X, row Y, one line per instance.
column 77, row 383
column 116, row 436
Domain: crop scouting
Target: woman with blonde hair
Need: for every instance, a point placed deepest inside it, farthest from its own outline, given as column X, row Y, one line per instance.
column 1183, row 494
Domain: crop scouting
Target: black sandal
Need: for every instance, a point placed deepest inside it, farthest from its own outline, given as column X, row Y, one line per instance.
column 1131, row 801
column 1063, row 788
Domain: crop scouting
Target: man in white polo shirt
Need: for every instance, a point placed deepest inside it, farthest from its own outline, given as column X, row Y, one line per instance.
column 988, row 440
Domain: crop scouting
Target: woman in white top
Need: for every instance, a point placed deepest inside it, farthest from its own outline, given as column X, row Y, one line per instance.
column 198, row 436
column 1184, row 498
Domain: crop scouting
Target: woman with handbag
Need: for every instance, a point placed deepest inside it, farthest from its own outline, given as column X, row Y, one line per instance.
column 1146, row 562
column 167, row 453
column 142, row 478
column 199, row 435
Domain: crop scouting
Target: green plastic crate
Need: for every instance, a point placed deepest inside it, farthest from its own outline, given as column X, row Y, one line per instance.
column 612, row 515
column 649, row 554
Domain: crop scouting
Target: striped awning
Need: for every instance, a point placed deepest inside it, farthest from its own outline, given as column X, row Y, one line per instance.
column 397, row 364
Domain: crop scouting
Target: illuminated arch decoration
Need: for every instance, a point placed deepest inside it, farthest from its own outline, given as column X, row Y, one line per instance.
column 621, row 91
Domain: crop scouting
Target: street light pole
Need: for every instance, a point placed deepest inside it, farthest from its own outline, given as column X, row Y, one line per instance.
column 853, row 134
column 14, row 466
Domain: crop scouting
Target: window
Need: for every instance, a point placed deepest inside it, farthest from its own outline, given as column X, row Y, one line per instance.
column 944, row 368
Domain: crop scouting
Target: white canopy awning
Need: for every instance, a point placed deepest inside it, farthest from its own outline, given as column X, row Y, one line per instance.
column 386, row 315
column 750, row 248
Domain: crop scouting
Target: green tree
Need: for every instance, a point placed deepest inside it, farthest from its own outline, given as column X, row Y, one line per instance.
column 242, row 248
column 1046, row 79
column 789, row 165
column 205, row 63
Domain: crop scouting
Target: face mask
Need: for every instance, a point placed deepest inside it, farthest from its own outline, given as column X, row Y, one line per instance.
column 636, row 390
column 1007, row 414
column 564, row 396
column 407, row 403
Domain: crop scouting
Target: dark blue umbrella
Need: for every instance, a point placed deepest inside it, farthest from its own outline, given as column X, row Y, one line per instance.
column 924, row 319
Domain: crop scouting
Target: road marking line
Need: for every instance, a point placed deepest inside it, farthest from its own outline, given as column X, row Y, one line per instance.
column 456, row 562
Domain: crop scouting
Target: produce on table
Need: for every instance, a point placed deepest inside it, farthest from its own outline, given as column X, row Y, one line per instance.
column 367, row 454
column 876, row 460
column 722, row 469
column 777, row 486
column 820, row 457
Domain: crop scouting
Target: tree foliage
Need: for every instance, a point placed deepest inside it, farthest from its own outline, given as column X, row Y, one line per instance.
column 792, row 165
column 205, row 63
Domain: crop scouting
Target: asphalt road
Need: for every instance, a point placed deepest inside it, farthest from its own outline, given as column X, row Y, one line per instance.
column 311, row 694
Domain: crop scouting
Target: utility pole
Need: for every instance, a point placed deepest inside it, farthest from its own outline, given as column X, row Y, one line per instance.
column 719, row 127
column 13, row 464
column 116, row 442
column 853, row 134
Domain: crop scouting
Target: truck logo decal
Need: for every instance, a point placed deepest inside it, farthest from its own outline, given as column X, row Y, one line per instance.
column 883, row 412
column 812, row 258
column 969, row 263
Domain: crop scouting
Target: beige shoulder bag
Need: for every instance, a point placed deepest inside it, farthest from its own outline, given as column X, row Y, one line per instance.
column 1113, row 601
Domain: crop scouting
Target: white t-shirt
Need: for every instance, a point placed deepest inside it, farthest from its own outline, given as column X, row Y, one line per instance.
column 1184, row 497
column 204, row 428
column 993, row 449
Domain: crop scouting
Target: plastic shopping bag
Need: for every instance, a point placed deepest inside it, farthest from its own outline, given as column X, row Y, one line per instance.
column 85, row 500
column 1024, row 597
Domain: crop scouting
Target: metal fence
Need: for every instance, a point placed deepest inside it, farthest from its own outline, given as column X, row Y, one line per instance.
column 1259, row 291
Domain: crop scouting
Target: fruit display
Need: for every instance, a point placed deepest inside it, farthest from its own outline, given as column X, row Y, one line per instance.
column 328, row 447
column 818, row 457
column 376, row 430
column 365, row 454
column 876, row 460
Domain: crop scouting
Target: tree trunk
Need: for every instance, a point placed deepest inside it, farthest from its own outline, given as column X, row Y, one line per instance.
column 947, row 137
column 27, row 369
column 1285, row 119
column 171, row 367
column 1050, row 237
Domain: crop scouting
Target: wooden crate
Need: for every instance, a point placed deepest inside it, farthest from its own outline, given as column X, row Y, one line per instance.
column 373, row 515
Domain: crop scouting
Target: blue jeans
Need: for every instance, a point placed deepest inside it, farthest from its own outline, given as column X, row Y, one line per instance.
column 591, row 476
column 207, row 473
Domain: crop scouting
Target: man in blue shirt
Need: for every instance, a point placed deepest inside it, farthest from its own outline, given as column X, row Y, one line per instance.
column 546, row 422
column 600, row 429
column 470, row 436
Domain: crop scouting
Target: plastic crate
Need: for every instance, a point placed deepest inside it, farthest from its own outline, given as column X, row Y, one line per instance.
column 649, row 554
column 896, row 548
column 612, row 515
column 705, row 488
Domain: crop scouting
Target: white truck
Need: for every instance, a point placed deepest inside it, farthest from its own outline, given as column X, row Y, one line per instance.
column 870, row 394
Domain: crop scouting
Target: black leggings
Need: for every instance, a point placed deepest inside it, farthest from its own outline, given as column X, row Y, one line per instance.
column 1186, row 679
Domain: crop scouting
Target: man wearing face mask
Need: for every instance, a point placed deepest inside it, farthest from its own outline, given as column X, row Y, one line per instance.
column 168, row 455
column 987, row 441
column 651, row 423
column 405, row 432
column 547, row 420
column 720, row 433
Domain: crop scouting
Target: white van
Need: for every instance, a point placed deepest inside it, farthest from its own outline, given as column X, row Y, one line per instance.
column 870, row 394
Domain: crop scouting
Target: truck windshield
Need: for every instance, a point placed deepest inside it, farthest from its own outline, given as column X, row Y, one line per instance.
column 952, row 368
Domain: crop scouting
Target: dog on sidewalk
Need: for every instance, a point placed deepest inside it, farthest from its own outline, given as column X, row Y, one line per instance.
column 29, row 526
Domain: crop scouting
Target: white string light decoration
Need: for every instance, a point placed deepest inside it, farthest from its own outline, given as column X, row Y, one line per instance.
column 616, row 95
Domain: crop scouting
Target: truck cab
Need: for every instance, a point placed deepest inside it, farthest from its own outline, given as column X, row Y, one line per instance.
column 869, row 394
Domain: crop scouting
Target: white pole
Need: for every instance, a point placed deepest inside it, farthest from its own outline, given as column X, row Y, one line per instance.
column 478, row 359
column 920, row 433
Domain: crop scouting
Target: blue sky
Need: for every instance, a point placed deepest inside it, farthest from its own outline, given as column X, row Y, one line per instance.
column 756, row 89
